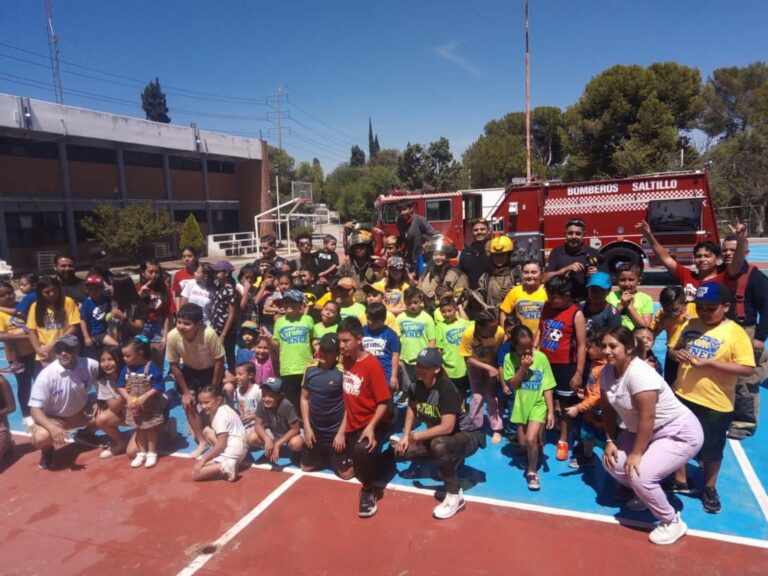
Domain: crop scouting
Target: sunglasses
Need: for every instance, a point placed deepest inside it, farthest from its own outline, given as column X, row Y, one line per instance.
column 305, row 244
column 576, row 222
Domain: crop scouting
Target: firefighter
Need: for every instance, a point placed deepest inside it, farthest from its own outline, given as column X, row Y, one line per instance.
column 495, row 284
column 359, row 264
column 441, row 273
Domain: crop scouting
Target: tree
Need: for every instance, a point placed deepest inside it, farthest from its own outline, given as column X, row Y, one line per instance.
column 130, row 231
column 373, row 143
column 357, row 156
column 632, row 119
column 281, row 164
column 442, row 169
column 153, row 102
column 313, row 173
column 736, row 100
column 387, row 157
column 411, row 167
column 190, row 235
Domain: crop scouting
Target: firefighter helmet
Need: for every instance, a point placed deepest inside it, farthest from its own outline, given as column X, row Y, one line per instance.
column 500, row 245
column 444, row 245
column 359, row 237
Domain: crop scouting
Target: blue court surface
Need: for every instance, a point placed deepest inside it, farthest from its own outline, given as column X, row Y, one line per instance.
column 492, row 476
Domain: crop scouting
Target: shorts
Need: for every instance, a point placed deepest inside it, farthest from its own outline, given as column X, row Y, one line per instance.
column 100, row 337
column 323, row 455
column 78, row 420
column 153, row 330
column 715, row 426
column 591, row 433
column 563, row 374
column 537, row 413
column 196, row 379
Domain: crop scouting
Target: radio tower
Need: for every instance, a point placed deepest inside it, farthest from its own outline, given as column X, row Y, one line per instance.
column 53, row 48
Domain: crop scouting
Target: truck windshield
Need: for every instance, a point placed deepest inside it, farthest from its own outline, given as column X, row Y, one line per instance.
column 389, row 213
column 682, row 215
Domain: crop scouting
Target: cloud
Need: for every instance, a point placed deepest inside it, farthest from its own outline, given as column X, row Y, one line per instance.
column 449, row 52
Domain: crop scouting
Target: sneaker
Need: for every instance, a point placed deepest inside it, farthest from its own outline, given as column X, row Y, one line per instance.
column 451, row 504
column 228, row 468
column 138, row 460
column 581, row 461
column 46, row 459
column 87, row 439
column 673, row 486
column 113, row 450
column 665, row 534
column 635, row 504
column 562, row 450
column 534, row 484
column 710, row 499
column 367, row 503
column 395, row 438
column 151, row 460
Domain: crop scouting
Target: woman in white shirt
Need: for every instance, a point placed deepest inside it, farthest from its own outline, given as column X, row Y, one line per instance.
column 661, row 434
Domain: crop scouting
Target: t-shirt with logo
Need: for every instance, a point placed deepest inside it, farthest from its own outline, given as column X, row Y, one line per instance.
column 415, row 334
column 443, row 398
column 529, row 396
column 393, row 297
column 525, row 306
column 483, row 349
column 642, row 303
column 447, row 340
column 365, row 387
column 355, row 310
column 726, row 342
column 94, row 313
column 382, row 344
column 295, row 340
column 690, row 281
column 558, row 334
column 247, row 401
column 13, row 325
column 55, row 324
column 608, row 317
column 326, row 400
column 325, row 259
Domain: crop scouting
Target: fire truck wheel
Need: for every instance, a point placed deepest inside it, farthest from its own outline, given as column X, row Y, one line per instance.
column 621, row 255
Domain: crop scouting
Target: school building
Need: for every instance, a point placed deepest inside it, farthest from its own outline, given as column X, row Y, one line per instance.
column 57, row 162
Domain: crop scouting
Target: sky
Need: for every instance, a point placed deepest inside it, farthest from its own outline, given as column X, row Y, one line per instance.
column 419, row 69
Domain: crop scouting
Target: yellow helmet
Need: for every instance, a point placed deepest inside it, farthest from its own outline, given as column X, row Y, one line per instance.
column 500, row 245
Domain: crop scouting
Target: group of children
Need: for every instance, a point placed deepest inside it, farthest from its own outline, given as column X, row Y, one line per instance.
column 276, row 362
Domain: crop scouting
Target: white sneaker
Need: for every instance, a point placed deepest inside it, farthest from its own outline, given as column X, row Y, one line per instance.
column 138, row 460
column 449, row 506
column 228, row 468
column 151, row 460
column 635, row 504
column 665, row 534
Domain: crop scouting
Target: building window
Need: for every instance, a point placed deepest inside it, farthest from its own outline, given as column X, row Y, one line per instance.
column 219, row 166
column 184, row 163
column 131, row 158
column 16, row 147
column 35, row 229
column 438, row 210
column 225, row 221
column 91, row 154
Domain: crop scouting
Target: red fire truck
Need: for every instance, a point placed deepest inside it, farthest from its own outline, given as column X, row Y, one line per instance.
column 677, row 205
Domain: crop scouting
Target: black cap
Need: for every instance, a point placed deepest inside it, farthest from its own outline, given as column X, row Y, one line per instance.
column 329, row 342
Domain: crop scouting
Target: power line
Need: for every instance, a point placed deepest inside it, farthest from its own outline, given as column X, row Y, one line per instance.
column 316, row 119
column 309, row 140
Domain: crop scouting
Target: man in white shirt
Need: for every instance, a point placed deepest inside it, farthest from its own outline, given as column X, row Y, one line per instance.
column 59, row 400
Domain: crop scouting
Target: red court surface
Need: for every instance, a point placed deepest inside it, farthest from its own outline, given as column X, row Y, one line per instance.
column 101, row 517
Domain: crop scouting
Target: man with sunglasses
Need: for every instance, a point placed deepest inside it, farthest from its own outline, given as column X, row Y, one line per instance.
column 59, row 400
column 306, row 259
column 412, row 229
column 474, row 260
column 574, row 259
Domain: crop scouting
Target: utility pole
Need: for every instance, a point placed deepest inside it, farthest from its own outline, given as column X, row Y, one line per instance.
column 527, row 102
column 53, row 48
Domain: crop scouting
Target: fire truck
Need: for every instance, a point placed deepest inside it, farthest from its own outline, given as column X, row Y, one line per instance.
column 677, row 205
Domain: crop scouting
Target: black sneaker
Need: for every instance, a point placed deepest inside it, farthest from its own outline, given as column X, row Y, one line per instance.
column 46, row 459
column 87, row 439
column 710, row 499
column 367, row 503
column 673, row 486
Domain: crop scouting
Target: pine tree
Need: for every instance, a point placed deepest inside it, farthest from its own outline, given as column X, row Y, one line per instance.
column 371, row 141
column 190, row 235
column 154, row 104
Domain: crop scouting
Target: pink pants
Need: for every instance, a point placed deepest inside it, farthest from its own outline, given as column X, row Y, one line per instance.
column 483, row 389
column 671, row 447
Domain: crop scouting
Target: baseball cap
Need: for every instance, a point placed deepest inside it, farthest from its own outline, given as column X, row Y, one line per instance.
column 601, row 280
column 376, row 287
column 66, row 342
column 329, row 343
column 396, row 262
column 96, row 279
column 430, row 358
column 249, row 325
column 712, row 293
column 222, row 266
column 346, row 283
column 294, row 296
column 274, row 384
column 380, row 262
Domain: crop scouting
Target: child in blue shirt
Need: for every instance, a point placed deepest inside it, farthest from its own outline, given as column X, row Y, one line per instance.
column 381, row 341
column 93, row 313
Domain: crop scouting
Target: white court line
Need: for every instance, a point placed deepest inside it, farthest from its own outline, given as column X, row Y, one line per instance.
column 241, row 524
column 749, row 473
column 536, row 508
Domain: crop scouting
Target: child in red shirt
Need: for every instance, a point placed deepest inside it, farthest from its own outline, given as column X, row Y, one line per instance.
column 367, row 399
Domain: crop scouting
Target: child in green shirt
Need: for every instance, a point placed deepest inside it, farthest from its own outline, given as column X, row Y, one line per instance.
column 417, row 331
column 636, row 307
column 293, row 338
column 448, row 335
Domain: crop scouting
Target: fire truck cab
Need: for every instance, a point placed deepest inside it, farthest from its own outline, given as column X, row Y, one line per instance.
column 677, row 205
column 450, row 213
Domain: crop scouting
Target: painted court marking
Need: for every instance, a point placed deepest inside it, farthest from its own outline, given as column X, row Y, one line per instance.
column 241, row 524
column 751, row 476
column 296, row 474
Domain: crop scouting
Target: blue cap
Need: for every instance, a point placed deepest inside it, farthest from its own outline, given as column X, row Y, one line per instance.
column 294, row 295
column 430, row 358
column 712, row 293
column 601, row 280
column 274, row 384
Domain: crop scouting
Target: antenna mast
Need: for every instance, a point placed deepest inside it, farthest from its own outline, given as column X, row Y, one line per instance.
column 53, row 48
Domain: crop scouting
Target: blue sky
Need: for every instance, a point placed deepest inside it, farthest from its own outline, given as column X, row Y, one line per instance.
column 420, row 69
